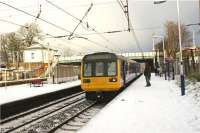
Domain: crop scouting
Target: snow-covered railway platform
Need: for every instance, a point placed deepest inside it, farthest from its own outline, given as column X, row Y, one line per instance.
column 156, row 109
column 19, row 92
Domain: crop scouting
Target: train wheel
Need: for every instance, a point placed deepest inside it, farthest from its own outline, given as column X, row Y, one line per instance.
column 91, row 96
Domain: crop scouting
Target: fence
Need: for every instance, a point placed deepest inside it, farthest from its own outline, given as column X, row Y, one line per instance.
column 172, row 68
column 64, row 73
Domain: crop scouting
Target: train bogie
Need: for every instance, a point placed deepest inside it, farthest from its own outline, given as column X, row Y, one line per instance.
column 100, row 96
column 90, row 95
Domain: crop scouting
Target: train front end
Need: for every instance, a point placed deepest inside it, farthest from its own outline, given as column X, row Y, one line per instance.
column 100, row 73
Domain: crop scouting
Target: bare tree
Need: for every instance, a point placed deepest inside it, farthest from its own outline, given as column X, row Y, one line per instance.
column 30, row 33
column 13, row 44
column 11, row 48
column 4, row 50
column 15, row 48
column 172, row 38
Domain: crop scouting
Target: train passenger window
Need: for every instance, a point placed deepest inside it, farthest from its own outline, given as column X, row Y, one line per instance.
column 87, row 69
column 99, row 70
column 111, row 68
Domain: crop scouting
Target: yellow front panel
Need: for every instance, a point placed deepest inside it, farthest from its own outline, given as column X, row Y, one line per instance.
column 102, row 83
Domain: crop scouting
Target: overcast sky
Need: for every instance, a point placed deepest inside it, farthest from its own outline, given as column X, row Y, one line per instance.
column 105, row 15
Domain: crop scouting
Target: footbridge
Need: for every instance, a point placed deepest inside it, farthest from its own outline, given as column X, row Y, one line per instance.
column 133, row 56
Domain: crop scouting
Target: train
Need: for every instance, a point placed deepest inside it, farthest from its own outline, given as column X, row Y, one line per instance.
column 104, row 74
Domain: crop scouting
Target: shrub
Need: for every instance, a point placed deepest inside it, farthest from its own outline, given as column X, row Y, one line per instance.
column 194, row 76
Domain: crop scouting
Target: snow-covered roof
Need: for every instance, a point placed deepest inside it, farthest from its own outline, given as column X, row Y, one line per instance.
column 39, row 46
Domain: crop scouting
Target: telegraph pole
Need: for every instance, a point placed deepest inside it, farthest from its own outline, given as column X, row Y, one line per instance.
column 127, row 14
column 199, row 11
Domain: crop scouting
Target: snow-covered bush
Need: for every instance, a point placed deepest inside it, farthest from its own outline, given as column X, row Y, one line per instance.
column 193, row 89
column 194, row 77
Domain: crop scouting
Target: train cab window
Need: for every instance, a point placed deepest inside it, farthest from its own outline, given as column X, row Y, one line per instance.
column 87, row 69
column 112, row 68
column 99, row 70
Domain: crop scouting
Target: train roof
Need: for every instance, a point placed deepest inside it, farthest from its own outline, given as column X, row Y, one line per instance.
column 100, row 55
column 105, row 55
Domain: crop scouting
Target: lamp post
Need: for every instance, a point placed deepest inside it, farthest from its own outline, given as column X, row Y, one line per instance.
column 154, row 61
column 153, row 43
column 163, row 44
column 180, row 45
column 57, row 55
column 193, row 39
column 5, row 77
column 49, row 69
column 181, row 56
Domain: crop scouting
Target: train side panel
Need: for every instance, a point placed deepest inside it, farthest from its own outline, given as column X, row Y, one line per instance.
column 132, row 70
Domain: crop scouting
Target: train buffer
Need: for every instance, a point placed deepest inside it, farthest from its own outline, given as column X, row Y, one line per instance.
column 36, row 83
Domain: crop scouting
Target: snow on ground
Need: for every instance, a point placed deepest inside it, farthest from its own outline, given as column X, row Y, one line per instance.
column 193, row 90
column 156, row 109
column 17, row 92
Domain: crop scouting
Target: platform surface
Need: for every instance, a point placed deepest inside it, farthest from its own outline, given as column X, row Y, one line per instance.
column 156, row 109
column 19, row 92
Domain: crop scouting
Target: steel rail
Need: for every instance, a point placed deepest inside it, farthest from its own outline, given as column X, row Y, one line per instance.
column 46, row 114
column 39, row 108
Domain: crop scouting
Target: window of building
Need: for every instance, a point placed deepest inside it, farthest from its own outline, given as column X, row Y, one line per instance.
column 32, row 55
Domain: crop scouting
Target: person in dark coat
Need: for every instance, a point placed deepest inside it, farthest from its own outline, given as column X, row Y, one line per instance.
column 147, row 73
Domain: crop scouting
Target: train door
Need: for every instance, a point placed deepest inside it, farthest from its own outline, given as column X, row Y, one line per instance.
column 123, row 72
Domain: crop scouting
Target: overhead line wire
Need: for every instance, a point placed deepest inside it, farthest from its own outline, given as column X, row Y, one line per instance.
column 40, row 19
column 45, row 34
column 67, row 40
column 62, row 10
column 106, row 32
column 110, row 32
column 35, row 17
column 86, row 13
column 12, row 23
column 133, row 32
column 121, row 4
column 125, row 10
column 136, row 39
column 81, row 21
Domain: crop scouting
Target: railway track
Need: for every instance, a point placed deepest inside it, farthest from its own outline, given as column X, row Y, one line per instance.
column 79, row 120
column 38, row 108
column 53, row 122
column 11, row 109
column 49, row 118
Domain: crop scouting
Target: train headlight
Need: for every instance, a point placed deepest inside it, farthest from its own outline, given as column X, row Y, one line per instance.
column 86, row 80
column 112, row 79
